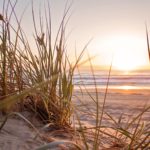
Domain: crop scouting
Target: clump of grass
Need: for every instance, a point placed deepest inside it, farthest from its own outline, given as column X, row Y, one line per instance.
column 53, row 100
column 47, row 75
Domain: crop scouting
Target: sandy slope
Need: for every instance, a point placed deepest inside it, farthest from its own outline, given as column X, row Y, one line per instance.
column 17, row 135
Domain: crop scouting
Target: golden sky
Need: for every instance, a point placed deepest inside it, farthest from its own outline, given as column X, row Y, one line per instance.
column 117, row 28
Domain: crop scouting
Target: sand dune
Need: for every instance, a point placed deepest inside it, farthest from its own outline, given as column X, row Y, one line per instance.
column 17, row 135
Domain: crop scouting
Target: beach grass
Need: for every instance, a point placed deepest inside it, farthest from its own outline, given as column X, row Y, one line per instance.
column 43, row 83
column 45, row 78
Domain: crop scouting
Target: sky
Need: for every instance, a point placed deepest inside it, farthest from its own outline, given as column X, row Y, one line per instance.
column 116, row 27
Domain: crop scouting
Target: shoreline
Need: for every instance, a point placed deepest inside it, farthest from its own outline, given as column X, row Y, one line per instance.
column 119, row 89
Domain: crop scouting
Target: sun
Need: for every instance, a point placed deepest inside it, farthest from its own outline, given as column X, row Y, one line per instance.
column 128, row 54
column 126, row 61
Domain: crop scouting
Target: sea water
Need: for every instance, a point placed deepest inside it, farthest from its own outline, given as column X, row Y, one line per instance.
column 117, row 79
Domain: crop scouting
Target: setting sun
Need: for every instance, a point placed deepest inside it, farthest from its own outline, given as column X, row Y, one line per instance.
column 128, row 55
column 128, row 52
column 126, row 61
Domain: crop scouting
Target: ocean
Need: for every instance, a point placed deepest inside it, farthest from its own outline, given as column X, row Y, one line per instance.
column 117, row 79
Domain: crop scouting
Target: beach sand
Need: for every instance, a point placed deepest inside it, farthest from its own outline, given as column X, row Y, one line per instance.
column 17, row 135
column 128, row 103
column 120, row 103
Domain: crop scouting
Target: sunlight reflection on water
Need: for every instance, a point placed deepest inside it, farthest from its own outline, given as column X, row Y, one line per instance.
column 121, row 87
column 127, row 87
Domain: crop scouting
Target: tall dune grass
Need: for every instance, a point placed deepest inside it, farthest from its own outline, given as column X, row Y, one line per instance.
column 44, row 79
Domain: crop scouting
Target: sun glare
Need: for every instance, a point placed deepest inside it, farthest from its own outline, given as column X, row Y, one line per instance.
column 126, row 61
column 128, row 52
